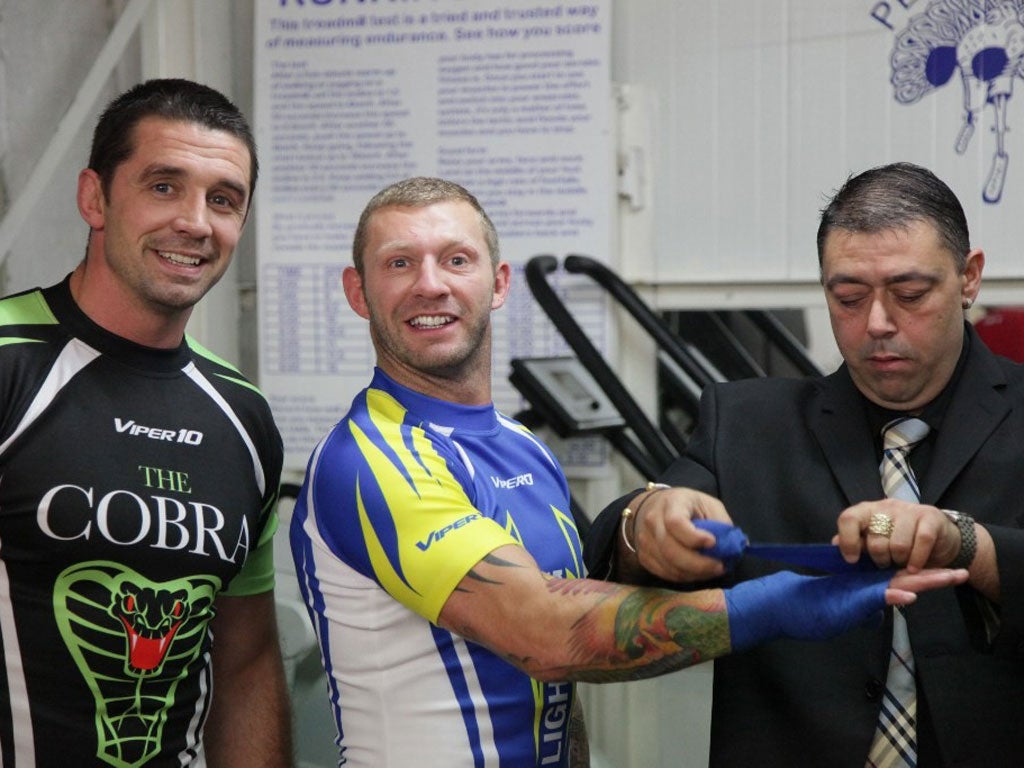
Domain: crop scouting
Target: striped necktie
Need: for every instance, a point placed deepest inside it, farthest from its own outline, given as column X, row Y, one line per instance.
column 895, row 742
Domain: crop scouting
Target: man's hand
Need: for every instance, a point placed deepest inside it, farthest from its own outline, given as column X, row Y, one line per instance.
column 667, row 543
column 921, row 537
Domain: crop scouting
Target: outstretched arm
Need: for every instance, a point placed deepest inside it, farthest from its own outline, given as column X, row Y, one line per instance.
column 585, row 630
column 249, row 724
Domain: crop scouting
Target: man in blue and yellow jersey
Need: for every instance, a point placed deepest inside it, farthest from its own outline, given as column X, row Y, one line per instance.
column 434, row 544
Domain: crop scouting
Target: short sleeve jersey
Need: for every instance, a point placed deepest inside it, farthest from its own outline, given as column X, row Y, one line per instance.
column 136, row 486
column 403, row 497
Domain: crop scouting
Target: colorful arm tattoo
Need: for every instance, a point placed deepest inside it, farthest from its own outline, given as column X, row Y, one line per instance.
column 634, row 633
column 622, row 632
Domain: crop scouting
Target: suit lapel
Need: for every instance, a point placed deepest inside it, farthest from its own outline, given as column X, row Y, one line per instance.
column 837, row 418
column 838, row 421
column 974, row 411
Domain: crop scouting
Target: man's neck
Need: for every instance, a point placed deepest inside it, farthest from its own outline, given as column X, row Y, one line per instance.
column 110, row 307
column 463, row 388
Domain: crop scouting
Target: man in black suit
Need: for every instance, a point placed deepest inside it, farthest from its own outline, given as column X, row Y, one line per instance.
column 798, row 461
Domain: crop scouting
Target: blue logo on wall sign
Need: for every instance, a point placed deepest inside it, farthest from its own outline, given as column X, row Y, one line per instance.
column 982, row 41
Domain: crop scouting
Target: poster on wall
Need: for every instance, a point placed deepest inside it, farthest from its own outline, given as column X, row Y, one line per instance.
column 771, row 104
column 510, row 99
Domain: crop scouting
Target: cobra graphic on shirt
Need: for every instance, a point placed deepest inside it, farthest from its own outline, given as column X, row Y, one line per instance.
column 133, row 641
column 137, row 487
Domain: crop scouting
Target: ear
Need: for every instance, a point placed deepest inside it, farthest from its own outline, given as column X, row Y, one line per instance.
column 91, row 203
column 972, row 276
column 353, row 285
column 502, row 284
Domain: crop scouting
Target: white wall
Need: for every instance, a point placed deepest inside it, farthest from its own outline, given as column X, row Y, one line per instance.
column 45, row 49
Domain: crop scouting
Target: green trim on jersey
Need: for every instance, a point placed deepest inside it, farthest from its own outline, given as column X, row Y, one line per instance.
column 26, row 309
column 257, row 575
column 20, row 340
column 199, row 349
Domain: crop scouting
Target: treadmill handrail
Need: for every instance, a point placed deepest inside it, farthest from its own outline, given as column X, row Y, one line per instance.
column 649, row 436
column 784, row 340
column 678, row 350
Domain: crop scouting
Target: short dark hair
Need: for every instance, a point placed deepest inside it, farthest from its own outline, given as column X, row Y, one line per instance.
column 419, row 192
column 170, row 99
column 894, row 197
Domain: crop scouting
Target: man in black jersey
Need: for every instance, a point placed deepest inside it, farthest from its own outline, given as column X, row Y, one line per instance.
column 139, row 472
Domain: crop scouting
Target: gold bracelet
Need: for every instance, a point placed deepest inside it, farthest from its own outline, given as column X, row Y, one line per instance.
column 628, row 512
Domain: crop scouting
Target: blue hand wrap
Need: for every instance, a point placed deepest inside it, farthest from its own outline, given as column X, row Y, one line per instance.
column 786, row 604
column 730, row 541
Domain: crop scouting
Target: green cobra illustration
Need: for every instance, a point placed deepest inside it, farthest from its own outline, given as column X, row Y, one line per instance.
column 133, row 640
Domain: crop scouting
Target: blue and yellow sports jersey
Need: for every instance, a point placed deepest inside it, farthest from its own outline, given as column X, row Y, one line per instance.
column 403, row 497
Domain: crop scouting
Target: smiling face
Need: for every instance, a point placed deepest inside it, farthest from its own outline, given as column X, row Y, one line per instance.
column 896, row 302
column 428, row 289
column 166, row 232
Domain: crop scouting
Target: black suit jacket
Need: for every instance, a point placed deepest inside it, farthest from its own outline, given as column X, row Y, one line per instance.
column 786, row 456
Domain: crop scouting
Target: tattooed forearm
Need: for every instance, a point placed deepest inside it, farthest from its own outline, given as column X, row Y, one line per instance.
column 582, row 629
column 630, row 633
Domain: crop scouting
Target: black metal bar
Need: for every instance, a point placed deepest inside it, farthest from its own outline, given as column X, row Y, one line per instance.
column 680, row 351
column 635, row 454
column 581, row 518
column 647, row 433
column 783, row 339
column 738, row 351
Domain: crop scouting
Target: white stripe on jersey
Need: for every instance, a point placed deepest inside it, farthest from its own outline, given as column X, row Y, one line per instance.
column 483, row 713
column 73, row 358
column 21, row 716
column 507, row 424
column 193, row 755
column 204, row 384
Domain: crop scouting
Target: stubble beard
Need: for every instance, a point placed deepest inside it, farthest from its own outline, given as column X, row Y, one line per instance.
column 159, row 292
column 170, row 292
column 449, row 363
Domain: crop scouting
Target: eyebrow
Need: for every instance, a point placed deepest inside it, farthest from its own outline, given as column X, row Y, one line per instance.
column 903, row 277
column 404, row 246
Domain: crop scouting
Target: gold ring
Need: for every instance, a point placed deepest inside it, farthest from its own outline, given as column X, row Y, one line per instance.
column 880, row 524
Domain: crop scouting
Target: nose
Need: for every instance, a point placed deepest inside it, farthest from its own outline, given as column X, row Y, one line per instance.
column 193, row 217
column 430, row 279
column 880, row 322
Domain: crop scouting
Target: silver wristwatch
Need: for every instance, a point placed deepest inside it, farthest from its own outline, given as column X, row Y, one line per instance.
column 968, row 539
